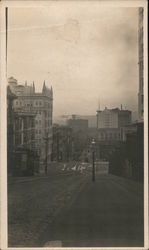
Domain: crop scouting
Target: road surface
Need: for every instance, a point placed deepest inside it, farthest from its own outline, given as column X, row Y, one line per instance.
column 72, row 211
column 106, row 213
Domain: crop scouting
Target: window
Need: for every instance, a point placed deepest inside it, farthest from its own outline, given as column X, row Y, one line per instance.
column 16, row 102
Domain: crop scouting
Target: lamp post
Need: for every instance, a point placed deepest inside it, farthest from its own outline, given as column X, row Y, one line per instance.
column 46, row 149
column 93, row 158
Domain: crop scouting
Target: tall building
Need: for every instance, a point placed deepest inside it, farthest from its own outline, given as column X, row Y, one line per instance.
column 21, row 152
column 113, row 118
column 25, row 154
column 141, row 66
column 42, row 105
column 109, row 129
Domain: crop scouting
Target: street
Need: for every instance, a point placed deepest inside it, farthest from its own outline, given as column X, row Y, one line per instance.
column 72, row 211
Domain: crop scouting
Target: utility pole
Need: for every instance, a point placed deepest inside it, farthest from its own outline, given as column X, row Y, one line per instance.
column 57, row 145
column 46, row 159
column 93, row 169
column 93, row 158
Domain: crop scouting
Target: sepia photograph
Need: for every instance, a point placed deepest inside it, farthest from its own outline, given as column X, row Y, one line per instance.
column 74, row 169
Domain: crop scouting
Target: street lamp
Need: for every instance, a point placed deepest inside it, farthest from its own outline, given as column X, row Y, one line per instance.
column 93, row 157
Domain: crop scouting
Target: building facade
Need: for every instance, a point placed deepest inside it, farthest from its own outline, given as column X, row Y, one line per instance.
column 10, row 129
column 25, row 154
column 141, row 66
column 113, row 118
column 110, row 122
column 41, row 104
column 109, row 130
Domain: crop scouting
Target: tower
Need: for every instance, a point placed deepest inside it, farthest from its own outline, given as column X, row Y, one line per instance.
column 44, row 87
column 33, row 87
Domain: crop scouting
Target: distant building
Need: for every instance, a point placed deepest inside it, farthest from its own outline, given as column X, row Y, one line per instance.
column 127, row 130
column 92, row 121
column 113, row 118
column 42, row 105
column 62, row 143
column 77, row 124
column 63, row 119
column 110, row 134
column 109, row 129
column 141, row 66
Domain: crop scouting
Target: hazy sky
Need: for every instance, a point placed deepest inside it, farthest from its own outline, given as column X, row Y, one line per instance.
column 83, row 50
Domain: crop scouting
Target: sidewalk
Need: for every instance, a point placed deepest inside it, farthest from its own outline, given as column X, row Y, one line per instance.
column 12, row 179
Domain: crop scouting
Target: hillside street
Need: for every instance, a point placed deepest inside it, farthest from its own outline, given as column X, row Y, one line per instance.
column 72, row 211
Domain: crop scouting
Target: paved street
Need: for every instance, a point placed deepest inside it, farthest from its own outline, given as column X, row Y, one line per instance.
column 106, row 213
column 71, row 211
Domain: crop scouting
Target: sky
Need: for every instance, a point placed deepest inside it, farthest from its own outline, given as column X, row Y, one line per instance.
column 86, row 52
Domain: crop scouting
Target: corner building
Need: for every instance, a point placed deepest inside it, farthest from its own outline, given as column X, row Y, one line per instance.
column 41, row 103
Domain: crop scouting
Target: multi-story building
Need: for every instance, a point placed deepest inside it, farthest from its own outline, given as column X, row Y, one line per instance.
column 141, row 66
column 25, row 154
column 109, row 129
column 110, row 122
column 10, row 129
column 21, row 153
column 113, row 118
column 42, row 105
column 24, row 127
